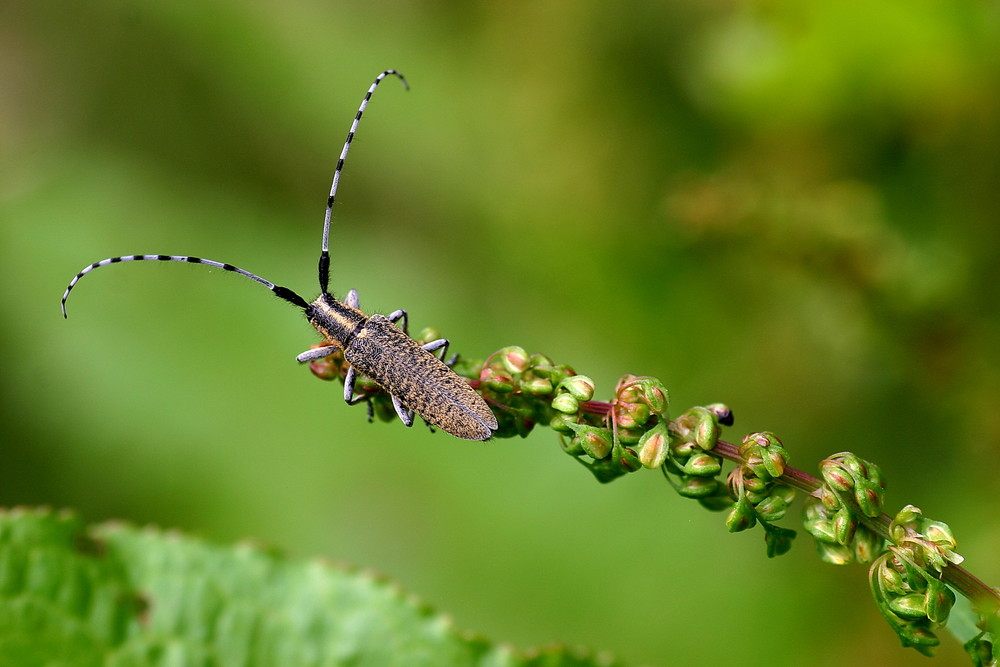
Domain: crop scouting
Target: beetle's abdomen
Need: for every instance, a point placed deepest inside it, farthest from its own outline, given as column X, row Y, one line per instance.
column 421, row 381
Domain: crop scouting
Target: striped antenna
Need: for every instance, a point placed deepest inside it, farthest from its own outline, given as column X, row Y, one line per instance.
column 280, row 292
column 324, row 258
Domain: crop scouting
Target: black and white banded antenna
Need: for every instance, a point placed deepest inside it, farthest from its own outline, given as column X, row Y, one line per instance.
column 279, row 291
column 324, row 257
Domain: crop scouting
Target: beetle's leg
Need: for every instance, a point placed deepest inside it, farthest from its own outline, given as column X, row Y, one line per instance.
column 405, row 416
column 316, row 353
column 397, row 315
column 439, row 344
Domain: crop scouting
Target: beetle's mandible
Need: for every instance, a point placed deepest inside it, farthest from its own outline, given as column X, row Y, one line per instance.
column 414, row 375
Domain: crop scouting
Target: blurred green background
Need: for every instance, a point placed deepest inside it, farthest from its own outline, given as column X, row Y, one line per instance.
column 790, row 207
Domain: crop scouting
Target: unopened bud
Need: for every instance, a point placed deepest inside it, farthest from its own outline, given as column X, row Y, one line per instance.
column 653, row 446
column 498, row 382
column 579, row 387
column 514, row 359
column 703, row 464
column 596, row 441
column 741, row 517
column 537, row 387
column 909, row 606
column 699, row 487
column 938, row 601
column 566, row 404
column 772, row 508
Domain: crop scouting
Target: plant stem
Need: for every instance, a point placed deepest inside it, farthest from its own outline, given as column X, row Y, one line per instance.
column 982, row 596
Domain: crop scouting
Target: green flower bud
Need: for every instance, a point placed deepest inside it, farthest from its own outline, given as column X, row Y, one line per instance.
column 579, row 387
column 909, row 515
column 830, row 500
column 869, row 498
column 891, row 581
column 699, row 487
column 754, row 485
column 844, row 526
column 834, row 554
column 630, row 436
column 537, row 387
column 572, row 446
column 627, row 457
column 539, row 361
column 631, row 415
column 771, row 508
column 741, row 517
column 497, row 381
column 514, row 359
column 628, row 391
column 706, row 434
column 655, row 395
column 909, row 606
column 821, row 529
column 703, row 464
column 562, row 423
column 653, row 446
column 596, row 441
column 566, row 404
column 836, row 476
column 867, row 544
column 939, row 600
column 939, row 532
column 684, row 449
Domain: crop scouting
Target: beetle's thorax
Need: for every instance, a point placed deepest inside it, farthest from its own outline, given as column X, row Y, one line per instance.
column 337, row 322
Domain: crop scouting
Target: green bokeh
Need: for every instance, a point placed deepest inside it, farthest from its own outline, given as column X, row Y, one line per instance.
column 790, row 207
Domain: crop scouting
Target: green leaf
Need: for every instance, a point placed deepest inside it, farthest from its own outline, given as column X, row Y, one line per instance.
column 117, row 595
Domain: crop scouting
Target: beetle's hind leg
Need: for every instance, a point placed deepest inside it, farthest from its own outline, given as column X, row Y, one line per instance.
column 351, row 399
column 405, row 416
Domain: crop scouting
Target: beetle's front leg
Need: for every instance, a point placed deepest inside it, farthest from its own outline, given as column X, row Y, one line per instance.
column 316, row 353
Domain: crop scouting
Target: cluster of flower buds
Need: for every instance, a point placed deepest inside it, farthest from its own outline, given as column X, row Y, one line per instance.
column 690, row 467
column 521, row 385
column 754, row 486
column 616, row 438
column 906, row 579
column 852, row 487
column 846, row 474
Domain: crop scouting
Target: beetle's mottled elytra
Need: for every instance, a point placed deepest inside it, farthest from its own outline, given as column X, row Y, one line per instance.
column 417, row 379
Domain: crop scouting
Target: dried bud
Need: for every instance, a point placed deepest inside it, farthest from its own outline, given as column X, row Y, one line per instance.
column 722, row 413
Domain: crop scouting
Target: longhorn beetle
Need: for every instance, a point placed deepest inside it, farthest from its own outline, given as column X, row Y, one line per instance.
column 417, row 380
